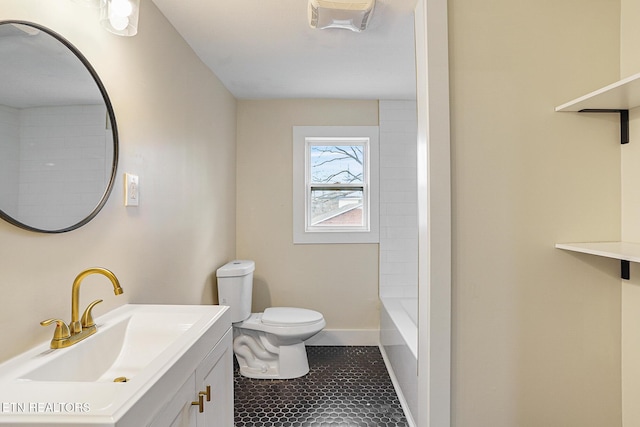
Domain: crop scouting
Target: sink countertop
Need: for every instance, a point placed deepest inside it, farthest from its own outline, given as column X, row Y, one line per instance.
column 25, row 401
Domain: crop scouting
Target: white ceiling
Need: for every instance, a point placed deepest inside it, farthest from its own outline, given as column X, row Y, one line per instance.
column 266, row 49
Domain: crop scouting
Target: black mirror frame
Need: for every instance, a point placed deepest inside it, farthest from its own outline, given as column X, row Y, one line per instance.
column 114, row 130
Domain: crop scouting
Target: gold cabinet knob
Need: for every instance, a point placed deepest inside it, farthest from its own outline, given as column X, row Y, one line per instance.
column 206, row 393
column 201, row 397
column 200, row 403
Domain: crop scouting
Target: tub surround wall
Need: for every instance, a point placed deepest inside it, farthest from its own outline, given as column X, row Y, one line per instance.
column 48, row 134
column 399, row 244
column 9, row 158
column 177, row 127
column 398, row 200
column 32, row 137
column 340, row 281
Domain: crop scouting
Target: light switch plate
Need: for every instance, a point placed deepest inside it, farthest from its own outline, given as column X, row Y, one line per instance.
column 131, row 190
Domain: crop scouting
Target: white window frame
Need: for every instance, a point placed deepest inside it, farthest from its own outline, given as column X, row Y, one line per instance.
column 303, row 137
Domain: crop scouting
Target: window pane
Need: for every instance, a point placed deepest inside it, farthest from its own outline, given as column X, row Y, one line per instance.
column 337, row 164
column 336, row 207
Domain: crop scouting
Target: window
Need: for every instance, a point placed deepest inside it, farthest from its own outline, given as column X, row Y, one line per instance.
column 335, row 184
column 335, row 178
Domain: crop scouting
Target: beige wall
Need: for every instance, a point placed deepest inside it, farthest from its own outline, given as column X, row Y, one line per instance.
column 629, row 37
column 630, row 64
column 536, row 330
column 631, row 288
column 177, row 132
column 341, row 281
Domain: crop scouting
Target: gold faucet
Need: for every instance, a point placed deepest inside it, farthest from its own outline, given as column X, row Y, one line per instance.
column 79, row 329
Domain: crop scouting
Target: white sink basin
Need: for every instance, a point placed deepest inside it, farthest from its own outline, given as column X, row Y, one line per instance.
column 142, row 343
column 121, row 348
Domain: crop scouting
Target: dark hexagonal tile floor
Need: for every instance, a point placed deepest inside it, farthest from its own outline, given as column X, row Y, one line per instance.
column 346, row 387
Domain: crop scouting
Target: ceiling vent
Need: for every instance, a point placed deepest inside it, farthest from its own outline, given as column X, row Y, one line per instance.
column 346, row 14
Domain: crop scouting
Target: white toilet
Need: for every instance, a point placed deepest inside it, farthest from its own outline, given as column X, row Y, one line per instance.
column 269, row 344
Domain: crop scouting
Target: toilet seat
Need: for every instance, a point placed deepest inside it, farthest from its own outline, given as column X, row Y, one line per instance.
column 284, row 321
column 290, row 316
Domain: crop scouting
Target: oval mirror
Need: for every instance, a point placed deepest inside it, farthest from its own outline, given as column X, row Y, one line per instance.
column 58, row 135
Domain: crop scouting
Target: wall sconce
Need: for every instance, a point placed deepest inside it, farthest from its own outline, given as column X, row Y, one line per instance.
column 120, row 16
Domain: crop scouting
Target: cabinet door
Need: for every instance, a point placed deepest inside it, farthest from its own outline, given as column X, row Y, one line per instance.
column 178, row 412
column 216, row 371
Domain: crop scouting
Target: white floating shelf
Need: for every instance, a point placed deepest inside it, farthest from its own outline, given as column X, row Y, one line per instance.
column 624, row 251
column 618, row 250
column 621, row 95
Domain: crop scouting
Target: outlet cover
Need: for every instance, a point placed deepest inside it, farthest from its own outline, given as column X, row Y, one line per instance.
column 131, row 190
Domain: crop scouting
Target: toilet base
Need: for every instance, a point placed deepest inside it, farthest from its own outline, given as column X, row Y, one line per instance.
column 259, row 358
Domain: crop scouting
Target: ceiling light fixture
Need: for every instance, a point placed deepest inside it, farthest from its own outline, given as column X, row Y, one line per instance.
column 351, row 15
column 120, row 16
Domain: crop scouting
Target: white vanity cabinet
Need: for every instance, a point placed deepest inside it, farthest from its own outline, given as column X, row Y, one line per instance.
column 211, row 385
column 215, row 375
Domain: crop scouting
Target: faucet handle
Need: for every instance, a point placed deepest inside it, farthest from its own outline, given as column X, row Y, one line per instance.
column 87, row 318
column 62, row 330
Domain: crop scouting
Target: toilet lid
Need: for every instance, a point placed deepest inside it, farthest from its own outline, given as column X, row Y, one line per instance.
column 289, row 316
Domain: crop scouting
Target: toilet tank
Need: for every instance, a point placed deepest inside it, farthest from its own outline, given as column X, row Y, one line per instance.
column 235, row 286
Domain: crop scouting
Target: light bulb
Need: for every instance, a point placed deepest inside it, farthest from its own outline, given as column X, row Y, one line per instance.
column 120, row 16
column 118, row 22
column 121, row 7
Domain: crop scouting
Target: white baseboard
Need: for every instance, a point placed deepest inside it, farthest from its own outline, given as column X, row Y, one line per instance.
column 365, row 337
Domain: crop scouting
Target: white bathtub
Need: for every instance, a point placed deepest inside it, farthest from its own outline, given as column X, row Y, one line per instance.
column 399, row 345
